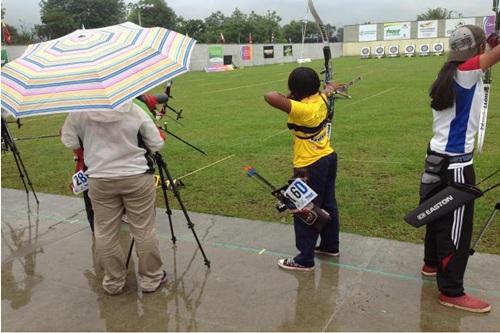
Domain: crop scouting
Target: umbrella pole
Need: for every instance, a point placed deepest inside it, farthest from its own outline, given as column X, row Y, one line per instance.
column 9, row 144
column 162, row 166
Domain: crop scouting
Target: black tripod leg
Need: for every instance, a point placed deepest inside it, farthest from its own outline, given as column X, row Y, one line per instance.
column 167, row 205
column 161, row 164
column 7, row 138
column 24, row 173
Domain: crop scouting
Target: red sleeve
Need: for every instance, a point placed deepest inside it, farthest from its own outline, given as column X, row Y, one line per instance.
column 470, row 65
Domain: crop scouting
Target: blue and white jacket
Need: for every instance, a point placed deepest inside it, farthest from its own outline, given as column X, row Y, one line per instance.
column 455, row 128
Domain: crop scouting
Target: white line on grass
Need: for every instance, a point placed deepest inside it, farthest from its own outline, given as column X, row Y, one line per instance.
column 275, row 134
column 369, row 97
column 241, row 87
column 206, row 166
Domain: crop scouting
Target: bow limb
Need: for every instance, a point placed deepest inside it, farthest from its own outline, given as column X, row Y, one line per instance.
column 327, row 54
column 487, row 89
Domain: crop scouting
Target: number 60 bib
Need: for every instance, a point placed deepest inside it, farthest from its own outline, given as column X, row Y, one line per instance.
column 300, row 193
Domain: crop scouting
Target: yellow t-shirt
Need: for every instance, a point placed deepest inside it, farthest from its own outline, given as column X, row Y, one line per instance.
column 310, row 113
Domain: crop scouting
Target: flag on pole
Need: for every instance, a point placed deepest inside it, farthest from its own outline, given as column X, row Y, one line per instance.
column 250, row 41
column 222, row 38
column 7, row 38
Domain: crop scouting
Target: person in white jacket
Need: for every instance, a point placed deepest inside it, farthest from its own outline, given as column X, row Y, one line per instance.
column 117, row 146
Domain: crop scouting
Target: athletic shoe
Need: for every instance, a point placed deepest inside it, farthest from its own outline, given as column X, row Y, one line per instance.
column 162, row 281
column 318, row 250
column 428, row 270
column 465, row 302
column 292, row 265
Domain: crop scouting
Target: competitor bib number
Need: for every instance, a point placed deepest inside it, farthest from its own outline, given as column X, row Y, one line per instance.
column 80, row 182
column 300, row 193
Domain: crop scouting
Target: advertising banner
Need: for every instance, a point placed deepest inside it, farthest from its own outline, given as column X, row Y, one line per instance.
column 287, row 50
column 452, row 24
column 246, row 52
column 367, row 32
column 5, row 57
column 397, row 30
column 427, row 29
column 215, row 55
column 268, row 51
column 489, row 24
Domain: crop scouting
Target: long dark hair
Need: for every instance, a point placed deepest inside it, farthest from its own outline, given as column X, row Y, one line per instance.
column 303, row 82
column 442, row 91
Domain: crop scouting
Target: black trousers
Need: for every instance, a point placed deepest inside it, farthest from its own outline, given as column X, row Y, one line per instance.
column 447, row 240
column 321, row 178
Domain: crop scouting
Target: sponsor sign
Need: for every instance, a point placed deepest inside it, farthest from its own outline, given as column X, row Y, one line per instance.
column 268, row 51
column 427, row 29
column 215, row 55
column 287, row 50
column 398, row 30
column 452, row 24
column 246, row 52
column 367, row 32
column 5, row 57
column 489, row 24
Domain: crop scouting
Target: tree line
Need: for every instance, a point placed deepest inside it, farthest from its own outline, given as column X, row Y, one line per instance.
column 60, row 17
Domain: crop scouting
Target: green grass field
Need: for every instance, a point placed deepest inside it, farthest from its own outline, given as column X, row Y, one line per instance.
column 380, row 135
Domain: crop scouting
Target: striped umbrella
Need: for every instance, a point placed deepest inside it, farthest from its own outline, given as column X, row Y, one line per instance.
column 93, row 70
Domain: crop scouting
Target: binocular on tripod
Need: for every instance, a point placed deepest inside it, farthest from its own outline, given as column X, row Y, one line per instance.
column 152, row 101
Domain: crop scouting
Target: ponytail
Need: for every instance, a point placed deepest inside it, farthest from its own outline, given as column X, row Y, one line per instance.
column 442, row 91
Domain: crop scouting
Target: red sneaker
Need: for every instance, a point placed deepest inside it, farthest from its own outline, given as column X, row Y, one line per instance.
column 428, row 270
column 465, row 302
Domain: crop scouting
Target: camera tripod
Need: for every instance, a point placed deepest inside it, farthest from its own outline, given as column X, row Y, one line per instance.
column 9, row 144
column 163, row 171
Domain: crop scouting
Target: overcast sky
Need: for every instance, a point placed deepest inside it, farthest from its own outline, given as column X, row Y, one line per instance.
column 335, row 12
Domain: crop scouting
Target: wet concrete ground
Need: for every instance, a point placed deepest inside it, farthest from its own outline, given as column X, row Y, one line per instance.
column 50, row 283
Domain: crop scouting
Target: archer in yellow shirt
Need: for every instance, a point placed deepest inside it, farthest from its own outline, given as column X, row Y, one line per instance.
column 314, row 160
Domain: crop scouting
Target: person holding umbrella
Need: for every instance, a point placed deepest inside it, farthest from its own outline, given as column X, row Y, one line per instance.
column 99, row 72
column 117, row 146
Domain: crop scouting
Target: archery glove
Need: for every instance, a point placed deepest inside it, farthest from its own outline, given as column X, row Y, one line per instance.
column 493, row 39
